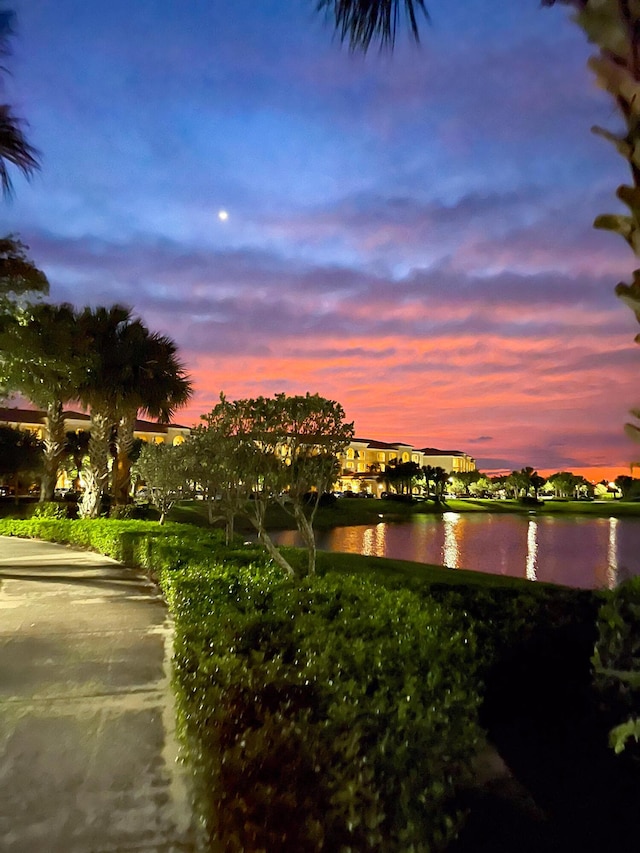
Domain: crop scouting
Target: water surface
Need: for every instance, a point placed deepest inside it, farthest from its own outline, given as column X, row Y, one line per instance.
column 577, row 551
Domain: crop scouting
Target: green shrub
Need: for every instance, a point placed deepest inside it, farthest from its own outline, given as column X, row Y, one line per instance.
column 339, row 700
column 49, row 509
column 616, row 662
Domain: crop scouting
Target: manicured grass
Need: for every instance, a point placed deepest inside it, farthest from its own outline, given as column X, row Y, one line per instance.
column 414, row 573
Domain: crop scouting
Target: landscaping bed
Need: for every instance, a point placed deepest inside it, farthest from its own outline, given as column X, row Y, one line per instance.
column 358, row 698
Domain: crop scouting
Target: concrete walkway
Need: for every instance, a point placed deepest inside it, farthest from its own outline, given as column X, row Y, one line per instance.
column 87, row 748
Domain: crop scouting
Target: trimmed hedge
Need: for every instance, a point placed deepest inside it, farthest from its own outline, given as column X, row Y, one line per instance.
column 332, row 715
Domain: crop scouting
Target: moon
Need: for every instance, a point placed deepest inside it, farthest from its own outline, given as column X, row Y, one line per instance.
column 223, row 215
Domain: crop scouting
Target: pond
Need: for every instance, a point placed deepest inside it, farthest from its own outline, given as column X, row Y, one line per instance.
column 576, row 551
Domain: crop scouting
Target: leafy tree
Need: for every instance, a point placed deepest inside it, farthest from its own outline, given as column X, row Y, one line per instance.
column 363, row 21
column 20, row 278
column 462, row 481
column 629, row 486
column 211, row 452
column 43, row 359
column 14, row 148
column 20, row 453
column 285, row 449
column 480, row 487
column 565, row 483
column 517, row 482
column 161, row 467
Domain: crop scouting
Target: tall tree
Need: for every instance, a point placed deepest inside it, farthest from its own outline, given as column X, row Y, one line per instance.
column 14, row 148
column 128, row 370
column 154, row 383
column 211, row 452
column 102, row 329
column 43, row 359
column 285, row 449
column 162, row 468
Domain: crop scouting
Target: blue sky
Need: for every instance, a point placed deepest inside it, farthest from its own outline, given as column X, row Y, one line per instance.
column 408, row 234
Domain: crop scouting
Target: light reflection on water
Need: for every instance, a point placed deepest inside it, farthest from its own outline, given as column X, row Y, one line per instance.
column 450, row 551
column 612, row 554
column 579, row 551
column 532, row 551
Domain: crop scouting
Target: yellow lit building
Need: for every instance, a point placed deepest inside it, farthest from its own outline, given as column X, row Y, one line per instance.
column 364, row 460
column 34, row 421
column 361, row 463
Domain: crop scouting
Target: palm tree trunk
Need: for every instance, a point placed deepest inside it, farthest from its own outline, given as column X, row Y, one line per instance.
column 97, row 473
column 122, row 465
column 53, row 450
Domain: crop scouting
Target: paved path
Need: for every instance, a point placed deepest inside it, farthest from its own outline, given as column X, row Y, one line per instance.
column 87, row 749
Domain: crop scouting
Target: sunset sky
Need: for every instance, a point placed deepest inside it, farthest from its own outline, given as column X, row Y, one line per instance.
column 409, row 234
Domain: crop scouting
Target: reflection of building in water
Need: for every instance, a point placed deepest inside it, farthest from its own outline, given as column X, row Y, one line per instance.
column 374, row 541
column 450, row 550
column 612, row 554
column 532, row 551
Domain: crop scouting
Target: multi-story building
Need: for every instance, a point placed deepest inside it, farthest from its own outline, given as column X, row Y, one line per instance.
column 364, row 460
column 34, row 421
column 361, row 463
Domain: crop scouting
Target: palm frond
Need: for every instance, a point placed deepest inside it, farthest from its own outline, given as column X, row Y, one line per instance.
column 14, row 149
column 362, row 21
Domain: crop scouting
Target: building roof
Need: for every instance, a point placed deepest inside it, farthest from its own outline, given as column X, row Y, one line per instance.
column 396, row 445
column 20, row 416
column 433, row 451
column 35, row 416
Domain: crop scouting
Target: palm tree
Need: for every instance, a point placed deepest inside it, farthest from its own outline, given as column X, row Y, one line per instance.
column 76, row 447
column 43, row 359
column 100, row 390
column 156, row 385
column 130, row 370
column 14, row 148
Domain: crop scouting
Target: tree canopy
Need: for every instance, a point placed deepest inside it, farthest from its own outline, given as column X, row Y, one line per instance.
column 283, row 449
